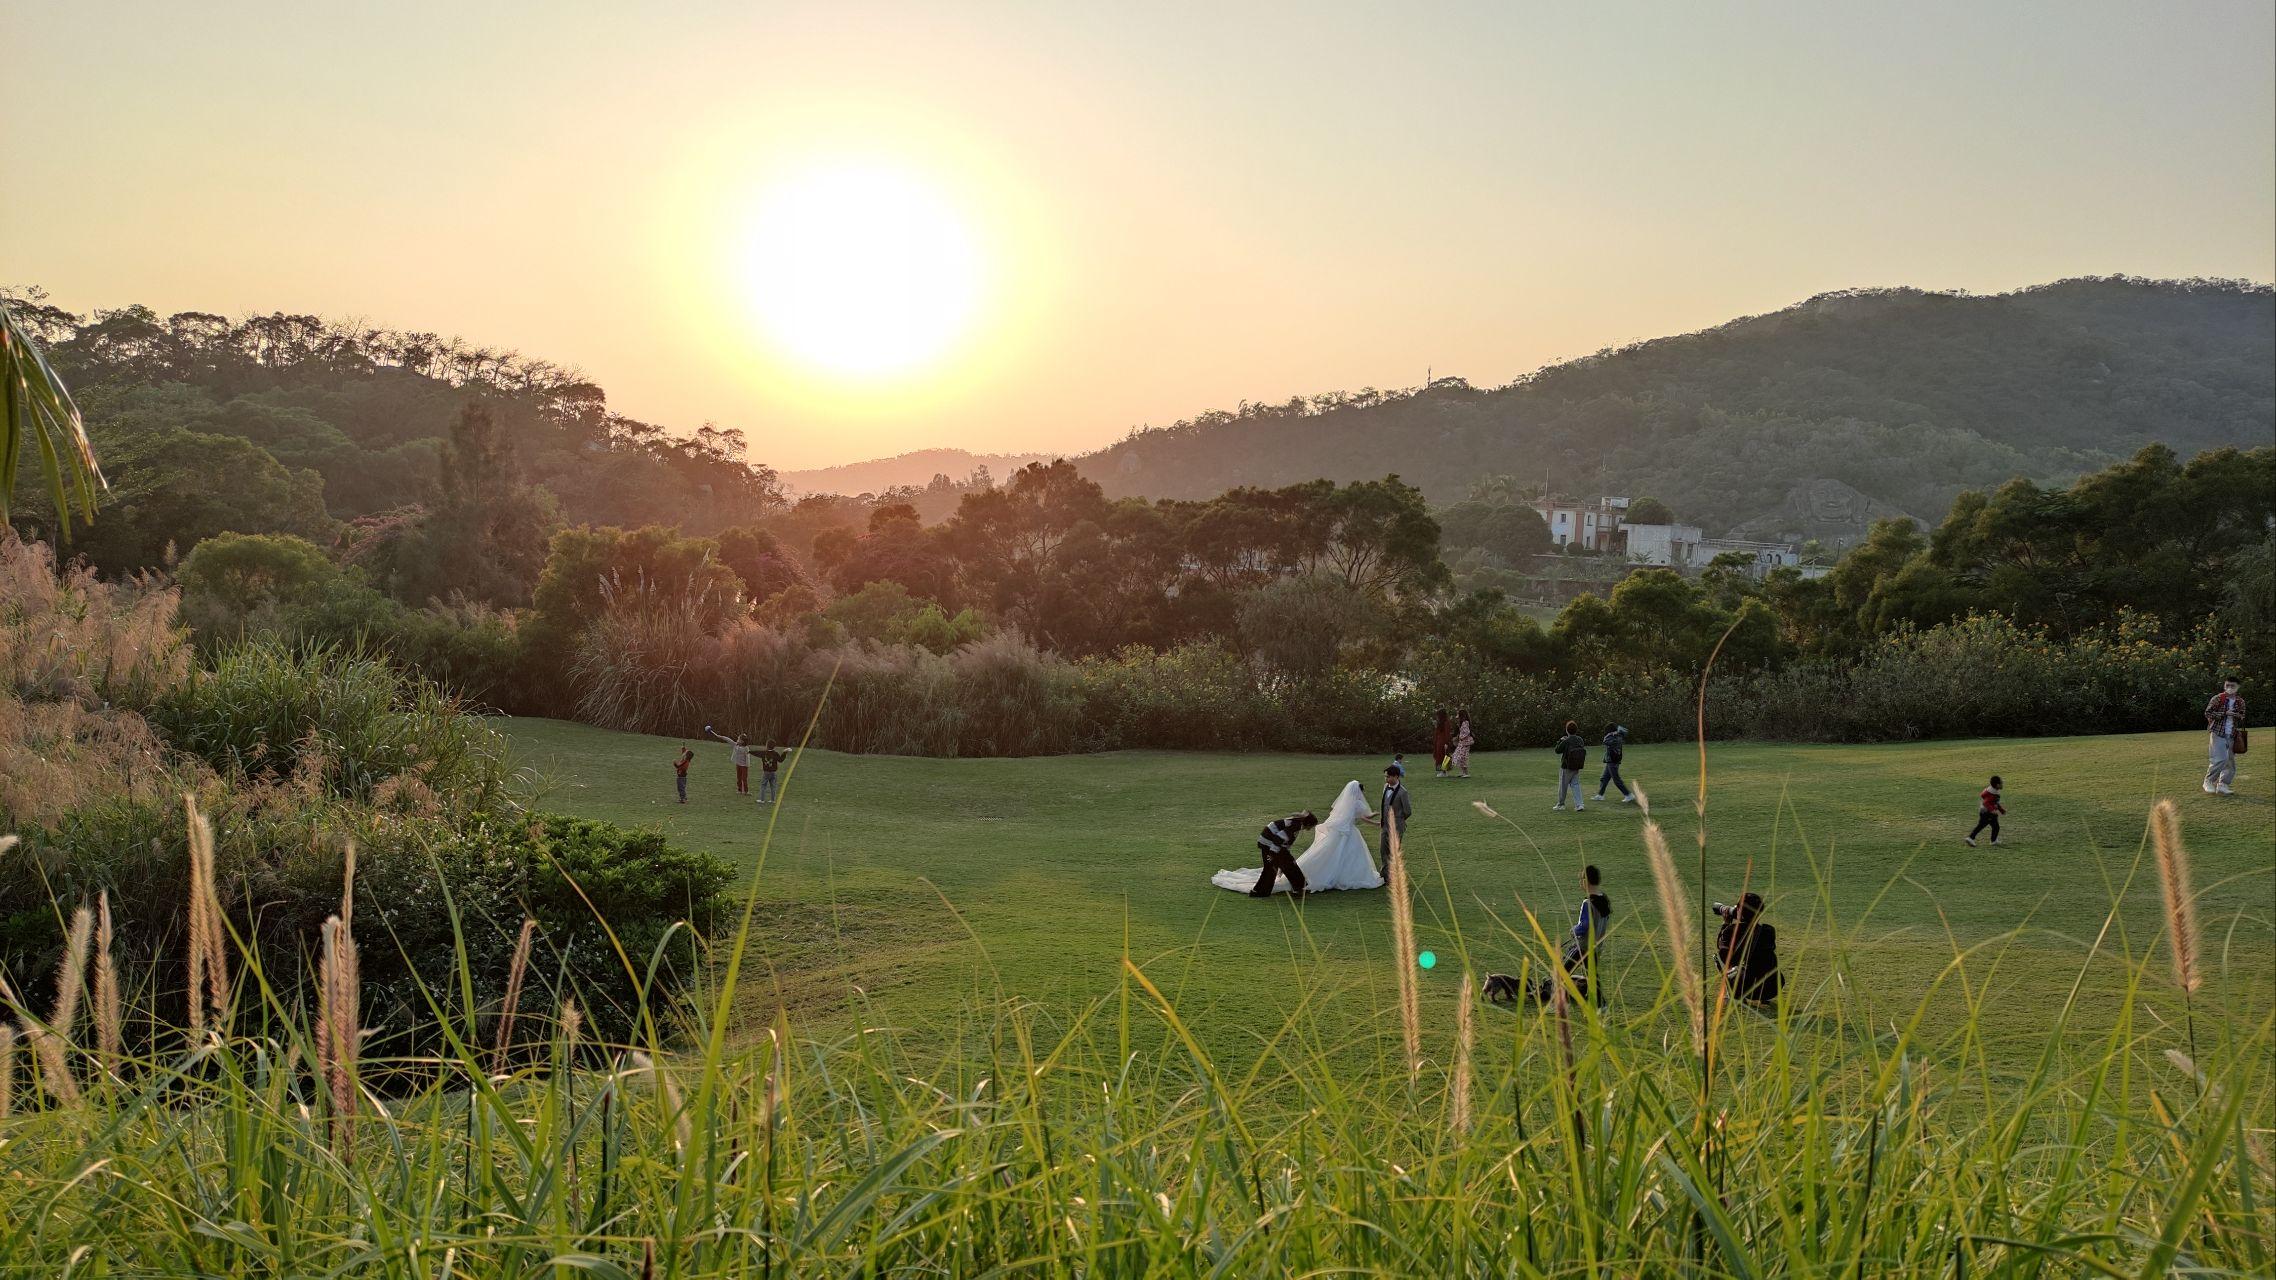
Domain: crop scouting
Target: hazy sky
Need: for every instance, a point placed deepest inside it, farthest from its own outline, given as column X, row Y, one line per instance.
column 1167, row 207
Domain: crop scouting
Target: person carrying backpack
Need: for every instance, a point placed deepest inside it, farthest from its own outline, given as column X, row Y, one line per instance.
column 1615, row 746
column 1572, row 753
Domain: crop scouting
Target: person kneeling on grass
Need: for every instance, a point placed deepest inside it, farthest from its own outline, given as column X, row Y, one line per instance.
column 1988, row 813
column 1747, row 948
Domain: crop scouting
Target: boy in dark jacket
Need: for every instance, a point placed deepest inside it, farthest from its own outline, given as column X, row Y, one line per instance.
column 1572, row 757
column 1615, row 746
column 1988, row 813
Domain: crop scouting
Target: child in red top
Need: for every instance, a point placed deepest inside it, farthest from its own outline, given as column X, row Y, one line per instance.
column 1990, row 813
column 680, row 772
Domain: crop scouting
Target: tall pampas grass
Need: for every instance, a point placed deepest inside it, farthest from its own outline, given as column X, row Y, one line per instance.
column 2180, row 911
column 339, row 1022
column 7, row 1069
column 669, row 1090
column 1465, row 1034
column 513, row 998
column 51, row 1043
column 1403, row 942
column 109, row 1030
column 2180, row 897
column 209, row 965
column 1675, row 914
column 338, row 1027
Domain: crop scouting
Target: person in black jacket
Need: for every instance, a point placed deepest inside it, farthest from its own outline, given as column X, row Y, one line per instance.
column 1615, row 746
column 1747, row 948
column 1572, row 753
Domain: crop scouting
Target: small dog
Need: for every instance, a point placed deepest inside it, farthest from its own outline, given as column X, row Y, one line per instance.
column 1504, row 989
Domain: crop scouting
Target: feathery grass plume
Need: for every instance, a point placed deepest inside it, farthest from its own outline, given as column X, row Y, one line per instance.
column 7, row 843
column 2180, row 898
column 109, row 1036
column 209, row 966
column 669, row 1089
column 1403, row 942
column 7, row 1069
column 71, row 974
column 50, row 1044
column 514, row 973
column 1675, row 913
column 1465, row 1033
column 338, row 1027
column 572, row 1025
column 1484, row 808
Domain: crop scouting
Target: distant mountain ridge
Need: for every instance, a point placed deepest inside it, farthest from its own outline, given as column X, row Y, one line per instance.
column 917, row 468
column 1905, row 396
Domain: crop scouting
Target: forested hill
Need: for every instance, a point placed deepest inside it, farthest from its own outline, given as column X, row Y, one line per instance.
column 918, row 469
column 1904, row 395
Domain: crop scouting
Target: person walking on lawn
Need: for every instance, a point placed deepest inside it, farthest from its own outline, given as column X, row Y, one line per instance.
column 1615, row 746
column 1465, row 737
column 1989, row 812
column 2224, row 738
column 1572, row 757
column 680, row 771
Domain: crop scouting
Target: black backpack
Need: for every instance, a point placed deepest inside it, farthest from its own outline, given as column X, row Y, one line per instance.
column 1576, row 755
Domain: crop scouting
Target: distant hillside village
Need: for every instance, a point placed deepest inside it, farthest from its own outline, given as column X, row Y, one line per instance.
column 1601, row 525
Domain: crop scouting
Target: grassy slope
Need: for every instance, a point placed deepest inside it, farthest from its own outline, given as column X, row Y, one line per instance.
column 1048, row 861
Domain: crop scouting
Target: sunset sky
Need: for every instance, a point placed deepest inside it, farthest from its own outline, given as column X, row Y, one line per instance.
column 855, row 229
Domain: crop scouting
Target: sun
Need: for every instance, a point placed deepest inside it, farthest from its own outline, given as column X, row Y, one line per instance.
column 861, row 269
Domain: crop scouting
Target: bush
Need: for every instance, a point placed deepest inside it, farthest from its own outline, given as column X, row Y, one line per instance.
column 280, row 860
column 344, row 722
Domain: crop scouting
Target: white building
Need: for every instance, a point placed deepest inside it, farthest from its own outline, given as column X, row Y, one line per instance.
column 1673, row 545
column 1594, row 523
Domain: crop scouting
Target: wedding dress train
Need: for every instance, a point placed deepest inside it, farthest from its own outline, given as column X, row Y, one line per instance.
column 1337, row 858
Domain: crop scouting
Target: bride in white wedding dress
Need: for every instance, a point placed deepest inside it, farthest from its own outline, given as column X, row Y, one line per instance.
column 1336, row 859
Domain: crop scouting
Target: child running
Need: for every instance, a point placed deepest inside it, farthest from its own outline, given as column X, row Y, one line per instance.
column 680, row 771
column 1990, row 813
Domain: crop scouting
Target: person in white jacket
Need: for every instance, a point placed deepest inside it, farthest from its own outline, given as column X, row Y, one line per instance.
column 741, row 754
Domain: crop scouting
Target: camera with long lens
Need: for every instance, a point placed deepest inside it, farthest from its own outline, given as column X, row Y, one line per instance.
column 1723, row 910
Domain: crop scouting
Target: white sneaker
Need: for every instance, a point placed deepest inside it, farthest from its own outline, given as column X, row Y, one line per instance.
column 1580, row 808
column 1556, row 808
column 2212, row 790
column 2225, row 790
column 1627, row 799
column 1971, row 841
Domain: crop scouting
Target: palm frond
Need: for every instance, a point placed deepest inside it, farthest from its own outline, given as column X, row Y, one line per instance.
column 36, row 406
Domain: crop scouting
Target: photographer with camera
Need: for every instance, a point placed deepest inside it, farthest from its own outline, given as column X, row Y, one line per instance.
column 1747, row 948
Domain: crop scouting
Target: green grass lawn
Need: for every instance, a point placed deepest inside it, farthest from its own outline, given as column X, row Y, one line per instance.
column 892, row 888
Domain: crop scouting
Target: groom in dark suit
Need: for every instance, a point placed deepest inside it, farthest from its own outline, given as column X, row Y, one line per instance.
column 1392, row 816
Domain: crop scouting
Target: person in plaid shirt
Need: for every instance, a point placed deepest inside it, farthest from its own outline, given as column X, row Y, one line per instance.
column 2224, row 725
